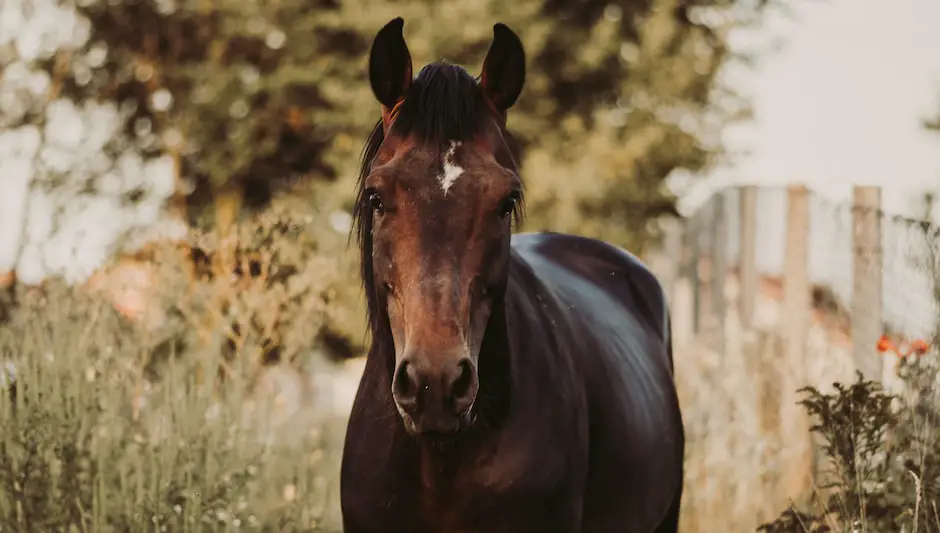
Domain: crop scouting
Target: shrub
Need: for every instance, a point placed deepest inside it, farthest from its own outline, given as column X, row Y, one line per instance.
column 883, row 453
column 109, row 424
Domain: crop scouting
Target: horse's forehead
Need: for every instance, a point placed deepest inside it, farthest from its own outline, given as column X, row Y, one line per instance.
column 451, row 167
column 439, row 172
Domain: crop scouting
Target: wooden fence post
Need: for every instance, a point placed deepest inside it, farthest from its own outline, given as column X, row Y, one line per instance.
column 796, row 286
column 692, row 238
column 672, row 251
column 867, row 280
column 705, row 268
column 747, row 262
column 795, row 321
column 683, row 306
column 719, row 270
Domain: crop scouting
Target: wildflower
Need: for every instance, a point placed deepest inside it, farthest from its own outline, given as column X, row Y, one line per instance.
column 885, row 345
column 919, row 347
column 7, row 374
column 290, row 492
column 315, row 456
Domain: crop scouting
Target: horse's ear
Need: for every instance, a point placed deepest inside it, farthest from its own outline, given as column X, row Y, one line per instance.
column 504, row 68
column 390, row 65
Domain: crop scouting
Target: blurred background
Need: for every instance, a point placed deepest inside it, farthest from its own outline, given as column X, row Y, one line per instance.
column 177, row 177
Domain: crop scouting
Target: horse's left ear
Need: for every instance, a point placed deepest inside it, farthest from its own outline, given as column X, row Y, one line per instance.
column 503, row 69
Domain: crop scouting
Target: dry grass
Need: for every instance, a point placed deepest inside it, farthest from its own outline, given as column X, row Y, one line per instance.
column 871, row 463
column 181, row 401
column 212, row 407
column 748, row 443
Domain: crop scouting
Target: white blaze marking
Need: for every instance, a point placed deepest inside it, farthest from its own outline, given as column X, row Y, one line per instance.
column 451, row 171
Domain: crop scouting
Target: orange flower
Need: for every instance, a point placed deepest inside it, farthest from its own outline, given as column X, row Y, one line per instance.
column 919, row 346
column 885, row 345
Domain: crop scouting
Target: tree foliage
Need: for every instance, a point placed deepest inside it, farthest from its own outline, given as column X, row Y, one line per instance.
column 241, row 102
column 251, row 97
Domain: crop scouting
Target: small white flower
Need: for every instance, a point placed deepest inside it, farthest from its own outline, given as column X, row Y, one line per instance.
column 290, row 492
column 341, row 221
column 7, row 374
column 161, row 99
column 275, row 39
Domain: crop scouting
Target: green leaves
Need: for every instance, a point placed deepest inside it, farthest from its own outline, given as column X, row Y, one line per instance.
column 267, row 92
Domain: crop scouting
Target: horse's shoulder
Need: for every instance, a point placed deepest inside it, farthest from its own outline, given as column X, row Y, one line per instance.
column 611, row 268
column 566, row 248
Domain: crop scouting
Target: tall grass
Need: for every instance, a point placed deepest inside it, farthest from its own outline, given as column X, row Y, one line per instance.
column 110, row 425
column 880, row 442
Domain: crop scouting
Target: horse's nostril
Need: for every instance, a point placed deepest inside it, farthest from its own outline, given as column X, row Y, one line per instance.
column 405, row 384
column 433, row 393
column 463, row 387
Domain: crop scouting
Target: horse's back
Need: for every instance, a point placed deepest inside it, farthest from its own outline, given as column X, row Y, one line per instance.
column 619, row 322
column 602, row 285
column 609, row 267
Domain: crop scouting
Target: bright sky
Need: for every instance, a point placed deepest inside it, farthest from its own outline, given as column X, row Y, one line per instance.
column 843, row 101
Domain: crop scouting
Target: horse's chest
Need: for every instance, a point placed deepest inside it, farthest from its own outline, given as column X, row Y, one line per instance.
column 448, row 514
column 493, row 513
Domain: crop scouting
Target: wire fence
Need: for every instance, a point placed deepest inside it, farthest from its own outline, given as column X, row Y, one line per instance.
column 863, row 272
column 772, row 289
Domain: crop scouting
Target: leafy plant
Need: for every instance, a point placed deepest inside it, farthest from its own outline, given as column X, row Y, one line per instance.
column 883, row 452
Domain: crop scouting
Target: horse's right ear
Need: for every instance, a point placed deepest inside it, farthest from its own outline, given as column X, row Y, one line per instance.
column 390, row 66
column 503, row 69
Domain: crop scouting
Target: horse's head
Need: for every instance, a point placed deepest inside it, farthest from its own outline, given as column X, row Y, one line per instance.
column 438, row 195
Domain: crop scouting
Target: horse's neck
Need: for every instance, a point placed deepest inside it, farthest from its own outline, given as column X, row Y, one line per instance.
column 495, row 370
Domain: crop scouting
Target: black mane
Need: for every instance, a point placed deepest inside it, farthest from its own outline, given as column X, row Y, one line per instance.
column 444, row 103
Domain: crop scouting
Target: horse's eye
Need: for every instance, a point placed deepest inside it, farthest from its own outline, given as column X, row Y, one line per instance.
column 508, row 205
column 375, row 201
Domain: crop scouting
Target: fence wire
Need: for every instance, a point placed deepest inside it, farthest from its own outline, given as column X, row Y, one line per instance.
column 710, row 260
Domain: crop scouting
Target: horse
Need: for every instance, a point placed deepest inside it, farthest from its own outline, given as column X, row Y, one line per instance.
column 515, row 382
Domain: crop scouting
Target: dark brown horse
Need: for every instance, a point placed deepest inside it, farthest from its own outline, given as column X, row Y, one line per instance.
column 515, row 383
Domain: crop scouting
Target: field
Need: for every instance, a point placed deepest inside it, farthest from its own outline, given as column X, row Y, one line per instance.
column 110, row 427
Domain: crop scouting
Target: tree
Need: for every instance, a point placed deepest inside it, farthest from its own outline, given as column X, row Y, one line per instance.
column 247, row 100
column 246, row 97
column 72, row 188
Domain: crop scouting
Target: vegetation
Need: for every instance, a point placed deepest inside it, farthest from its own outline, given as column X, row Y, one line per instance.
column 882, row 448
column 253, row 100
column 257, row 112
column 884, row 456
column 241, row 105
column 164, row 425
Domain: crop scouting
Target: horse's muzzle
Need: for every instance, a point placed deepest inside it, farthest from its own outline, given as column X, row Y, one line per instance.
column 435, row 398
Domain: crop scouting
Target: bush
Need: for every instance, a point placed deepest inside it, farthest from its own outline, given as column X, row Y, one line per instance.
column 110, row 424
column 883, row 453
